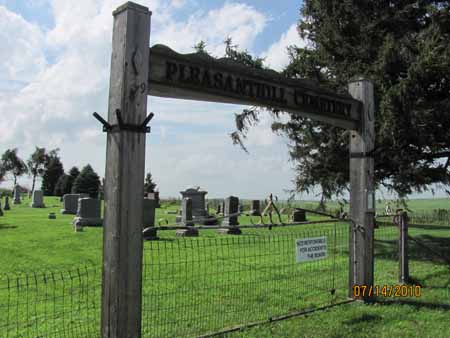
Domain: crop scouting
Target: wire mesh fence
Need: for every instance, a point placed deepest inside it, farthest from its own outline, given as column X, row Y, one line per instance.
column 50, row 304
column 428, row 251
column 202, row 285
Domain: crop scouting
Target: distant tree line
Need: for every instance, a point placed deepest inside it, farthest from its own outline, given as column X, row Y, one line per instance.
column 55, row 182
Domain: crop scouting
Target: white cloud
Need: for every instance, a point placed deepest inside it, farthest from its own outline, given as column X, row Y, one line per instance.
column 189, row 143
column 236, row 20
column 22, row 57
column 276, row 55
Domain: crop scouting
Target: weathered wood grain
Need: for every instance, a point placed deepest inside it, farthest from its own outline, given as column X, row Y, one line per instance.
column 124, row 176
column 200, row 77
column 362, row 196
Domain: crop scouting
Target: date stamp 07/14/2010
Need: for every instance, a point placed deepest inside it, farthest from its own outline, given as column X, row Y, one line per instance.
column 387, row 291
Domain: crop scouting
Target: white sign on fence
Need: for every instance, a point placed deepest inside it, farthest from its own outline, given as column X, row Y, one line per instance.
column 311, row 249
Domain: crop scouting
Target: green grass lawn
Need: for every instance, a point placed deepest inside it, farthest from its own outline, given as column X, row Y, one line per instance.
column 198, row 285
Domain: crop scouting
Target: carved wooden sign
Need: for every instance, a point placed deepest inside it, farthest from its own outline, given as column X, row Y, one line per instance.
column 201, row 77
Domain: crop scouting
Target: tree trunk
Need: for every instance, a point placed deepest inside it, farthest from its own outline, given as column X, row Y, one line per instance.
column 34, row 181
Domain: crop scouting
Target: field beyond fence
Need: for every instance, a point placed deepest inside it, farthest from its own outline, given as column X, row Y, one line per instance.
column 211, row 284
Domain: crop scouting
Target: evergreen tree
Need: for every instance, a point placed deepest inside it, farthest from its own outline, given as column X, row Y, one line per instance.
column 87, row 182
column 149, row 185
column 402, row 46
column 73, row 174
column 13, row 164
column 62, row 185
column 53, row 170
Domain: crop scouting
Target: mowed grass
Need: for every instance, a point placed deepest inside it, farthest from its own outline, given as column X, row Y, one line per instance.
column 210, row 282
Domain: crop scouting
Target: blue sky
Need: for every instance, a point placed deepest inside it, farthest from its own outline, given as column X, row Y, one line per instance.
column 54, row 72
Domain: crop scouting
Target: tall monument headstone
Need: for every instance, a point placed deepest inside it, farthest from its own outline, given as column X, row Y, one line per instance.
column 38, row 199
column 197, row 197
column 16, row 193
column 200, row 213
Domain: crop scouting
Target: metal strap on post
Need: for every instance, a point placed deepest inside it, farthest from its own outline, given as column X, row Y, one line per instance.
column 138, row 128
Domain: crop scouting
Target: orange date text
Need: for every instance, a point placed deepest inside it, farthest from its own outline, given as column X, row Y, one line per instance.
column 387, row 291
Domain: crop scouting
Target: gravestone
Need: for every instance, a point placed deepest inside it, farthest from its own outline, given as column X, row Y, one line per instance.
column 200, row 213
column 51, row 215
column 186, row 212
column 187, row 219
column 154, row 196
column 148, row 210
column 299, row 216
column 148, row 219
column 7, row 207
column 231, row 217
column 88, row 212
column 197, row 197
column 1, row 211
column 38, row 199
column 16, row 193
column 256, row 208
column 70, row 203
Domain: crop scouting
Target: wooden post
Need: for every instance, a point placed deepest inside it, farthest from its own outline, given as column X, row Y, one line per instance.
column 362, row 195
column 124, row 175
column 403, row 248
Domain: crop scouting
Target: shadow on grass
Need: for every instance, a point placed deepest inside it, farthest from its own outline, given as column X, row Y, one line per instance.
column 415, row 303
column 388, row 249
column 364, row 318
column 4, row 226
column 429, row 227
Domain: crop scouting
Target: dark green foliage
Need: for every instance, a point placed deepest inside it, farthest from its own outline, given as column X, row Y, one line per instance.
column 53, row 170
column 403, row 48
column 87, row 182
column 61, row 185
column 36, row 164
column 243, row 57
column 65, row 182
column 13, row 164
column 149, row 185
column 200, row 47
column 74, row 172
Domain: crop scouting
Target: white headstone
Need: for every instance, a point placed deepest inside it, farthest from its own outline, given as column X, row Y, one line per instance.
column 38, row 199
column 16, row 193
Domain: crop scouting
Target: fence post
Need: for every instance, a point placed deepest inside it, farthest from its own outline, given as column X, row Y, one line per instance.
column 362, row 195
column 403, row 248
column 124, row 174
